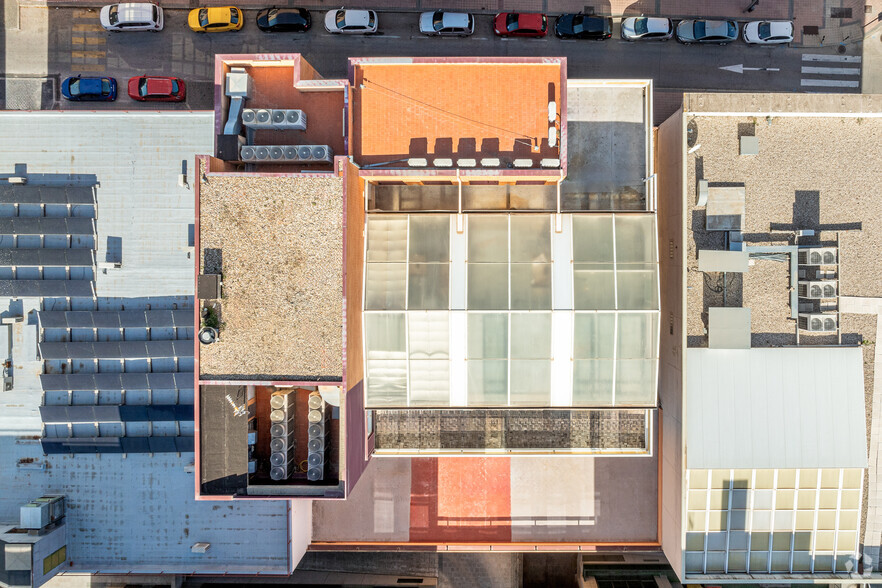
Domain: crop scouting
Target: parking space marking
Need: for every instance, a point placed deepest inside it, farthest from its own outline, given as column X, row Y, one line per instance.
column 87, row 28
column 88, row 54
column 90, row 67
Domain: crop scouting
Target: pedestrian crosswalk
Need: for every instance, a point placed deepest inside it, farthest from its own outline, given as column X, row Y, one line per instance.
column 841, row 71
column 87, row 41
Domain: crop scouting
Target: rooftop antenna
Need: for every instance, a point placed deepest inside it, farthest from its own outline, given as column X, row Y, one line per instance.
column 237, row 410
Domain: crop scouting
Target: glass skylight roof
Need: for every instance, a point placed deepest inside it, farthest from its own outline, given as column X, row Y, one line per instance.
column 511, row 312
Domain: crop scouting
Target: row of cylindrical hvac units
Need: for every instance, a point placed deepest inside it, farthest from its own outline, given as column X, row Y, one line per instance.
column 274, row 118
column 286, row 153
column 282, row 442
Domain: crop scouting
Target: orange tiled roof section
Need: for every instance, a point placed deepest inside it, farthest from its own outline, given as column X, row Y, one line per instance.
column 453, row 110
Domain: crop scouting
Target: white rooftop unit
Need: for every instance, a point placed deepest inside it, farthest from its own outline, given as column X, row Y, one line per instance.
column 289, row 120
column 818, row 256
column 818, row 322
column 818, row 289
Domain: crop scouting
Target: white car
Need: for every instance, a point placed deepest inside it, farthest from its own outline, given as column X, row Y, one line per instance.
column 767, row 32
column 647, row 28
column 132, row 16
column 353, row 22
column 447, row 24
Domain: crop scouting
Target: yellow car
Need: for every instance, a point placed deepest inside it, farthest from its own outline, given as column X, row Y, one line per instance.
column 216, row 19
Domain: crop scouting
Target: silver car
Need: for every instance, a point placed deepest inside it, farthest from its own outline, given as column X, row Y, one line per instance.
column 351, row 22
column 647, row 28
column 447, row 24
column 721, row 32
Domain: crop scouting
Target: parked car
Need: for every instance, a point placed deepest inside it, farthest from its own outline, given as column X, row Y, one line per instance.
column 131, row 16
column 520, row 24
column 774, row 32
column 583, row 26
column 284, row 20
column 352, row 22
column 707, row 31
column 216, row 19
column 78, row 88
column 157, row 89
column 647, row 28
column 447, row 24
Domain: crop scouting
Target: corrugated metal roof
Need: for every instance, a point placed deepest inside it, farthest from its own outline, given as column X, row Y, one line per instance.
column 117, row 349
column 47, row 257
column 115, row 381
column 109, row 319
column 775, row 408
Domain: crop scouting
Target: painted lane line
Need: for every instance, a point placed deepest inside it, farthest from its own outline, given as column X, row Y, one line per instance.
column 832, row 71
column 840, row 58
column 830, row 83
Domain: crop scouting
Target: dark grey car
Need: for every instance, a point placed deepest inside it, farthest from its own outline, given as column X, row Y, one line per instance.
column 721, row 32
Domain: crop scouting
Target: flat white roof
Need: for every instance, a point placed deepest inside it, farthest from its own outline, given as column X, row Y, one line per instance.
column 775, row 408
column 136, row 158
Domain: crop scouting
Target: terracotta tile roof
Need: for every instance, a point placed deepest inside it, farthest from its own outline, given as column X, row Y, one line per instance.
column 454, row 109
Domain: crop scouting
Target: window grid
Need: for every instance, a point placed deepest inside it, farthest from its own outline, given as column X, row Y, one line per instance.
column 824, row 550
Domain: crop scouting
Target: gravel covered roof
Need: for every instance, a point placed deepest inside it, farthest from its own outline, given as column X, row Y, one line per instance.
column 811, row 172
column 280, row 242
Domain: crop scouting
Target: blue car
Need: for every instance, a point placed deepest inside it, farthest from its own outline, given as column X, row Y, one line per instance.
column 93, row 89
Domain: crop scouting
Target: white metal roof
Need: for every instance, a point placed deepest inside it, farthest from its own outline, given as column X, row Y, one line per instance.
column 775, row 408
column 136, row 157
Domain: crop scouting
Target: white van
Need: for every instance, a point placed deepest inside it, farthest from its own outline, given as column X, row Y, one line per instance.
column 132, row 16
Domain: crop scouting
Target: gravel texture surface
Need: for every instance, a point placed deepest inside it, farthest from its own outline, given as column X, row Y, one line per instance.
column 280, row 243
column 811, row 173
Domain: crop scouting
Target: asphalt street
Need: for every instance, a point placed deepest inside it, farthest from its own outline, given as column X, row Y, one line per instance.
column 77, row 44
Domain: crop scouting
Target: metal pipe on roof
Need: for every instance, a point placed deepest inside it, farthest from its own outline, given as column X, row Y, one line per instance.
column 791, row 250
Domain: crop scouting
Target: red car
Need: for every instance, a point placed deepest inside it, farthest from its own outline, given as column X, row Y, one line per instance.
column 157, row 88
column 520, row 24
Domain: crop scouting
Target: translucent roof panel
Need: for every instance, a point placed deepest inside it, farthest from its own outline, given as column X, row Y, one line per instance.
column 469, row 317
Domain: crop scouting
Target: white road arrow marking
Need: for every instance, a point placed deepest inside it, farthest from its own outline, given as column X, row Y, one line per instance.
column 741, row 69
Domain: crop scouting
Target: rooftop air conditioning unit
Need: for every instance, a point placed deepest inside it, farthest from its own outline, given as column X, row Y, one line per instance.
column 291, row 153
column 282, row 458
column 315, row 431
column 818, row 256
column 315, row 154
column 279, row 430
column 316, row 459
column 277, row 153
column 278, row 444
column 261, row 154
column 315, row 474
column 279, row 473
column 818, row 323
column 248, row 153
column 249, row 117
column 278, row 118
column 316, row 444
column 296, row 120
column 280, row 415
column 818, row 289
column 264, row 119
column 281, row 400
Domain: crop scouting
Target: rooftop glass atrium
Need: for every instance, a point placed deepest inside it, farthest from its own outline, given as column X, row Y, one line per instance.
column 511, row 310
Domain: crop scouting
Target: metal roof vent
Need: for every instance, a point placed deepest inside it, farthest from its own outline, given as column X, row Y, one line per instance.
column 200, row 547
column 207, row 335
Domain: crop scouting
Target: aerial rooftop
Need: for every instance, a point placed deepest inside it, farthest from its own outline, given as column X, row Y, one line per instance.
column 785, row 189
column 455, row 108
column 278, row 244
